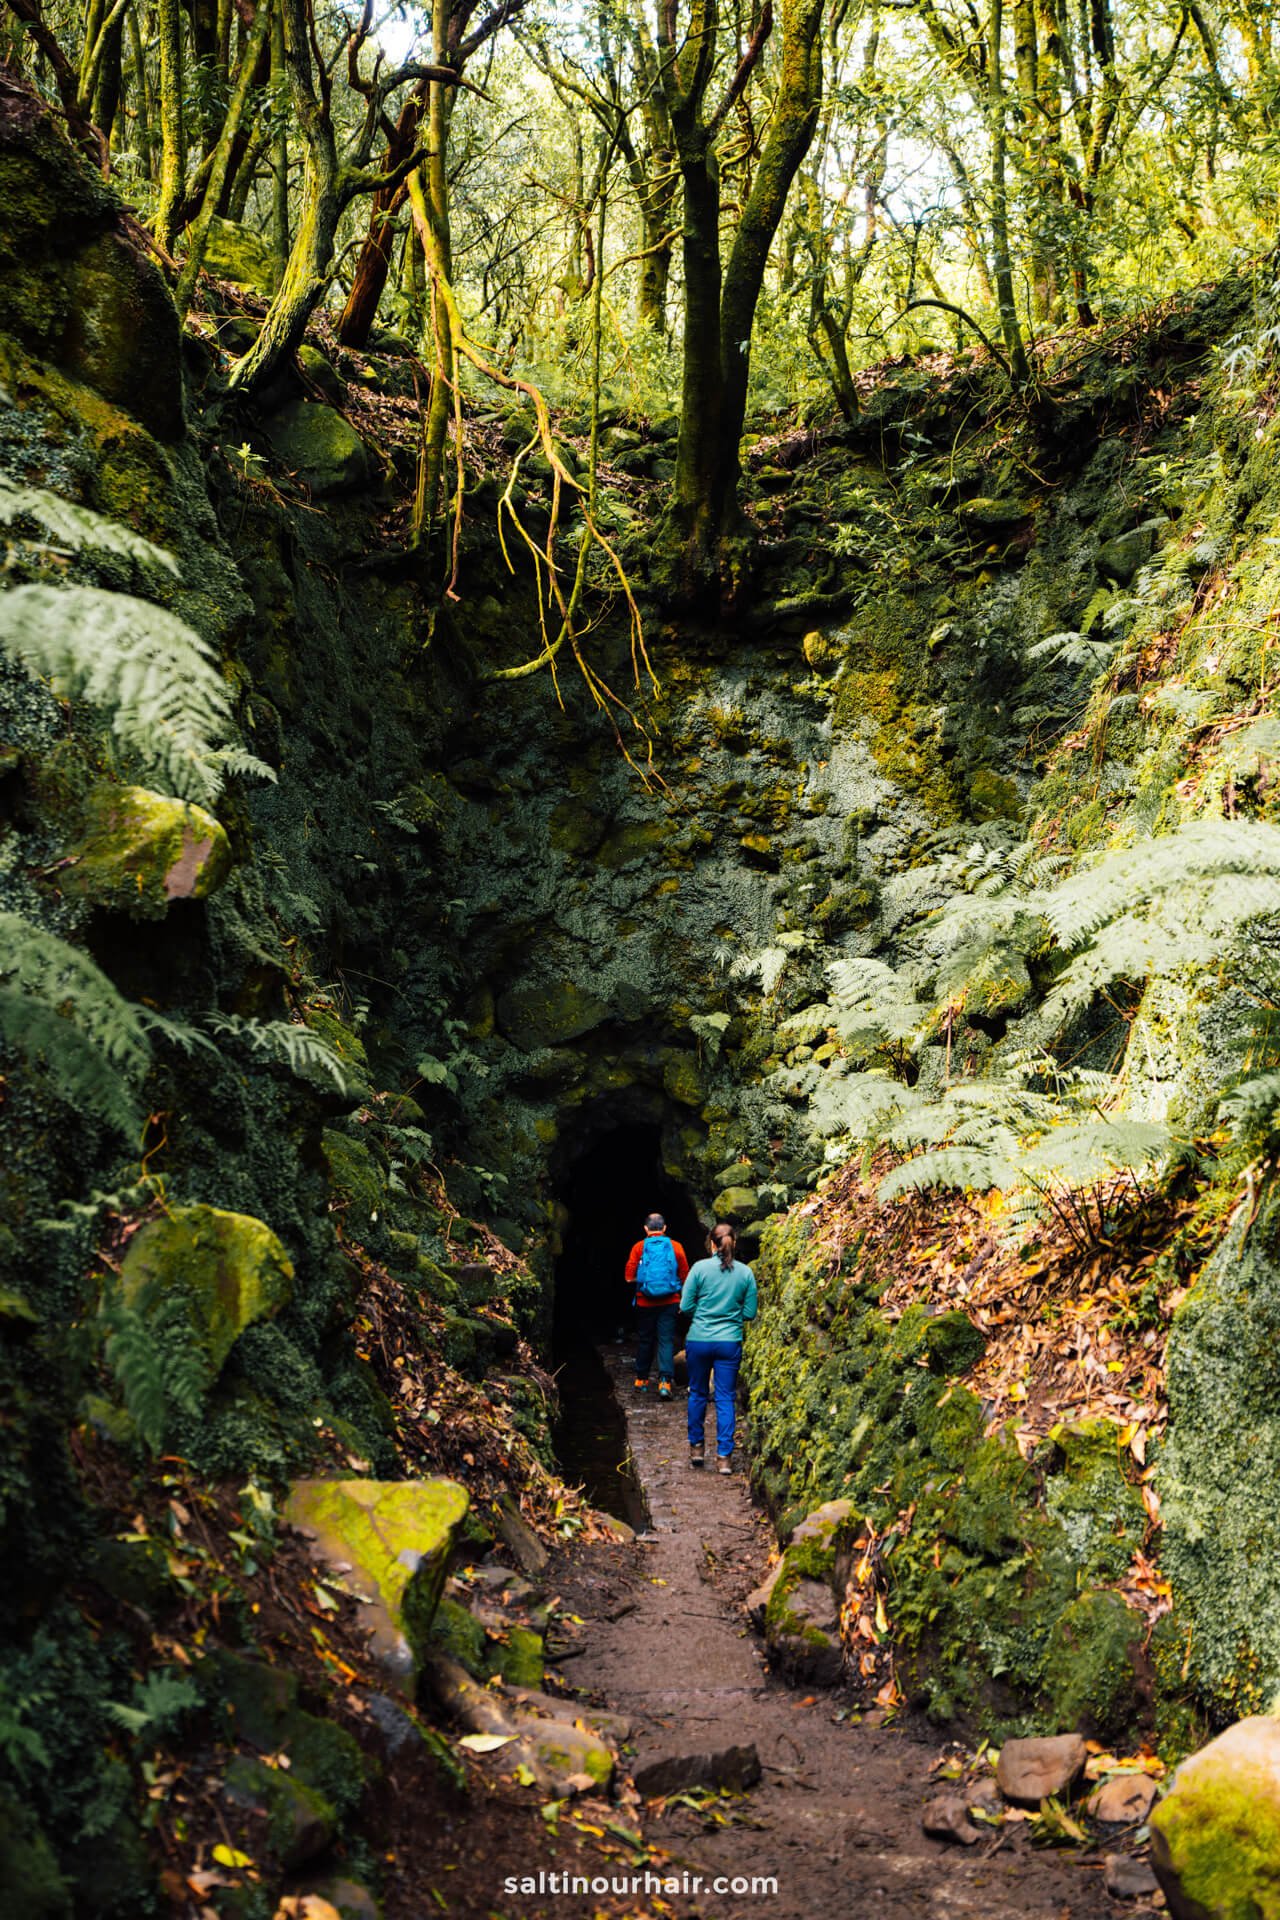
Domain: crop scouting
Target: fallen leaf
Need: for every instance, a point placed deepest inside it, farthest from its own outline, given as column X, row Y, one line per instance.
column 485, row 1742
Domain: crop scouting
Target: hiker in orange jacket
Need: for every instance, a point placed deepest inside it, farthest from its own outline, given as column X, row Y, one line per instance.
column 656, row 1269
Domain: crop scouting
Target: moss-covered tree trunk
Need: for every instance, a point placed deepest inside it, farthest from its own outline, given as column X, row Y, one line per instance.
column 795, row 117
column 173, row 127
column 720, row 315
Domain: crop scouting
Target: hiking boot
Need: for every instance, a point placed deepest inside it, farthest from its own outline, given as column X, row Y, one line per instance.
column 696, row 1456
column 665, row 1389
column 724, row 1463
column 642, row 1386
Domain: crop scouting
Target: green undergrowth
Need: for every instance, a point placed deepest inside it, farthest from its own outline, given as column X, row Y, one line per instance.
column 996, row 1578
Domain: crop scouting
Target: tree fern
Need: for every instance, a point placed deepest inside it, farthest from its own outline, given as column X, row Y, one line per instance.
column 170, row 707
column 56, row 1005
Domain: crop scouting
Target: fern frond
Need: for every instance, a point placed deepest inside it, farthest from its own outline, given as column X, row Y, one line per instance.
column 244, row 765
column 169, row 704
column 1242, row 850
column 297, row 1048
column 57, row 1005
column 135, row 1359
column 972, row 1169
column 1252, row 1106
column 76, row 527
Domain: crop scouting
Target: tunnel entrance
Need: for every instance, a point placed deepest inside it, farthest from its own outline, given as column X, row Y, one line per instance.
column 606, row 1189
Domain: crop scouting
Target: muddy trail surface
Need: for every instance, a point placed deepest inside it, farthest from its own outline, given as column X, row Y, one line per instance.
column 834, row 1824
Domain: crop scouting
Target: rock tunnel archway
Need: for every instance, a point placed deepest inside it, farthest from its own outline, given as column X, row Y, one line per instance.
column 609, row 1175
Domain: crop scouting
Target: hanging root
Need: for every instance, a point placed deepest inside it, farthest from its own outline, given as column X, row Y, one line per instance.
column 554, row 606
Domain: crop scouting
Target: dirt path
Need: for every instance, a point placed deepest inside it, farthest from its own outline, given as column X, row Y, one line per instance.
column 836, row 1817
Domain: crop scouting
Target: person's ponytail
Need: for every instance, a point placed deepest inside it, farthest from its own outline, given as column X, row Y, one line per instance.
column 722, row 1240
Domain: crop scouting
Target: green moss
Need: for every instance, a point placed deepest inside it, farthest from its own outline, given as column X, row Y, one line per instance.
column 355, row 1176
column 1091, row 1665
column 456, row 1632
column 992, row 796
column 903, row 734
column 1220, row 1465
column 520, row 1658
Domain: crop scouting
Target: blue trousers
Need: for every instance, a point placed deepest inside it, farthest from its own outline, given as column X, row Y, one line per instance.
column 656, row 1326
column 706, row 1358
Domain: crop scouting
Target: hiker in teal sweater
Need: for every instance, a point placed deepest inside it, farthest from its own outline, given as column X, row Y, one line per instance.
column 720, row 1293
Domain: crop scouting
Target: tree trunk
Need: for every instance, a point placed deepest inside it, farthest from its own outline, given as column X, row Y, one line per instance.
column 791, row 130
column 173, row 133
column 698, row 497
column 374, row 262
column 198, row 232
column 1002, row 258
column 279, row 150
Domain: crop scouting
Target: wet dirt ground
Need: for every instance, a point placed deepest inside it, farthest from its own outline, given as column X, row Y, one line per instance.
column 835, row 1822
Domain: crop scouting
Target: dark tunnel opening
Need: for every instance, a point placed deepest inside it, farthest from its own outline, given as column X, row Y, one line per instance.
column 607, row 1188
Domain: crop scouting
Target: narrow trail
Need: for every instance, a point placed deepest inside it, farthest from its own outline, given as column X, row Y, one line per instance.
column 836, row 1815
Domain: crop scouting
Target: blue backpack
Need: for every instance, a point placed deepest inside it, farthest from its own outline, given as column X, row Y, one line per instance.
column 657, row 1275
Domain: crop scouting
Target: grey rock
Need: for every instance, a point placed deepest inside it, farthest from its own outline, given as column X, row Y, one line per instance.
column 757, row 1600
column 393, row 1723
column 733, row 1770
column 1030, row 1771
column 947, row 1818
column 1126, row 1878
column 1123, row 1800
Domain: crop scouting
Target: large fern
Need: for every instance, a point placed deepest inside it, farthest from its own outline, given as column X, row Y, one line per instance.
column 170, row 708
column 74, row 527
column 56, row 1005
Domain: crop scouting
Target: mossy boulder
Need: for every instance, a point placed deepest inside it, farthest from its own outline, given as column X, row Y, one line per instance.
column 233, row 252
column 738, row 1204
column 300, row 1822
column 952, row 1343
column 989, row 514
column 390, row 1541
column 1215, row 1837
column 356, row 1177
column 318, row 445
column 205, row 1275
column 546, row 1016
column 143, row 850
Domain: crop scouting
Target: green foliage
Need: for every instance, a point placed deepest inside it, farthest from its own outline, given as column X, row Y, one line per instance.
column 57, row 1006
column 161, row 1700
column 155, row 674
column 296, row 1047
column 159, row 1367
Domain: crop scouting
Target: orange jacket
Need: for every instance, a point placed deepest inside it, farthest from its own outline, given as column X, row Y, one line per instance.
column 682, row 1268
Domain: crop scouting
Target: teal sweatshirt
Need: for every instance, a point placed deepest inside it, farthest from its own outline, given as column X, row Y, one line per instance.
column 718, row 1301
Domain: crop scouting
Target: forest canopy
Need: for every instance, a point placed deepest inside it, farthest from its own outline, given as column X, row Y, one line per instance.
column 696, row 207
